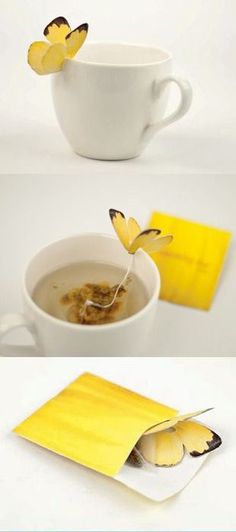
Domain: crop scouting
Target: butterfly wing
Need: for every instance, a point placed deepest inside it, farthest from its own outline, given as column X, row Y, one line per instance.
column 157, row 244
column 54, row 58
column 163, row 449
column 120, row 225
column 75, row 39
column 36, row 52
column 57, row 30
column 196, row 438
column 133, row 229
column 172, row 422
column 143, row 239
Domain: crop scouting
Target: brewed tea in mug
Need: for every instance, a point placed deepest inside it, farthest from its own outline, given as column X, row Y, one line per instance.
column 85, row 258
column 63, row 293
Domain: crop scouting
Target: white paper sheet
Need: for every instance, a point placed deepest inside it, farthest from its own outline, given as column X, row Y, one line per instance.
column 160, row 483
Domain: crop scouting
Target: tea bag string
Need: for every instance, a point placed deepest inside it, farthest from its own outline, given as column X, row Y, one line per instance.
column 88, row 302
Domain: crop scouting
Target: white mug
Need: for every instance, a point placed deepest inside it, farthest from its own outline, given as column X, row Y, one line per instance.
column 54, row 337
column 112, row 100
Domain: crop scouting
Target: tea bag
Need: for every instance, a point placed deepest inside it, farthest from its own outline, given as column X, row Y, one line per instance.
column 137, row 462
column 96, row 303
column 135, row 458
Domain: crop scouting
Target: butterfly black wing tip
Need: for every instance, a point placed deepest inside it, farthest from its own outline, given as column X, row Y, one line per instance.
column 113, row 213
column 83, row 27
column 147, row 231
column 58, row 21
column 213, row 444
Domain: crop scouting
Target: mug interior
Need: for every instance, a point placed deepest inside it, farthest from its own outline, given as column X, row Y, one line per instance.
column 120, row 54
column 94, row 247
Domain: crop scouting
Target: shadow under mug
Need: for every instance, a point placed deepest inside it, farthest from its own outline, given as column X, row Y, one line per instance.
column 112, row 100
column 54, row 337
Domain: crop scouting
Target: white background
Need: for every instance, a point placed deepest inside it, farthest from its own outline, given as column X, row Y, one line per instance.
column 42, row 491
column 35, row 210
column 200, row 34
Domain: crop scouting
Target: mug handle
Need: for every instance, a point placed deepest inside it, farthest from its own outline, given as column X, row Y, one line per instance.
column 10, row 322
column 184, row 105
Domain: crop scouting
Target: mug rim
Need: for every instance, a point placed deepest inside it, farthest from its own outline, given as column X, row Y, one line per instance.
column 169, row 55
column 79, row 326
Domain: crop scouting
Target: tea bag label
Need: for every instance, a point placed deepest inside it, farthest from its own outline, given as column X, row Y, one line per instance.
column 190, row 267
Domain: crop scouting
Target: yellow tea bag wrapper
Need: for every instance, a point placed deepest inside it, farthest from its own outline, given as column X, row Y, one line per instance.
column 94, row 422
column 191, row 265
column 103, row 426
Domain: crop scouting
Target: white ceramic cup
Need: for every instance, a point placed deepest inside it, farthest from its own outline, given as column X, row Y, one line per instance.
column 54, row 337
column 111, row 100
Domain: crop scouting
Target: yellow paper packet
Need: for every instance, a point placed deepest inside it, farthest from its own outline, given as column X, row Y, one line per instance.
column 94, row 422
column 191, row 265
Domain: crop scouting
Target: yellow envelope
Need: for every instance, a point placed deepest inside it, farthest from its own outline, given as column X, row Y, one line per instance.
column 94, row 422
column 191, row 265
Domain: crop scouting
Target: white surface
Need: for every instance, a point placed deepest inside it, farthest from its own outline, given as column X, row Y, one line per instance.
column 35, row 210
column 42, row 491
column 201, row 34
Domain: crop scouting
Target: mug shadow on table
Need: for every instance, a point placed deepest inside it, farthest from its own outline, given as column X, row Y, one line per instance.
column 41, row 149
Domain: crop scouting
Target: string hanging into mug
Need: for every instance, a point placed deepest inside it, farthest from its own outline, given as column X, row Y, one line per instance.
column 132, row 238
column 88, row 302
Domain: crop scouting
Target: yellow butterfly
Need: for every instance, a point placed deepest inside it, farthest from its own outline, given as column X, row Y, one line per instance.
column 46, row 58
column 133, row 238
column 165, row 443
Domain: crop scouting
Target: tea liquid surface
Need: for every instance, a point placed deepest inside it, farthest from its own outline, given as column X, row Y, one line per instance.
column 63, row 293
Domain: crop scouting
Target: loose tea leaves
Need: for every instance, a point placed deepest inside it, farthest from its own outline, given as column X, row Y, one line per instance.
column 90, row 292
column 99, row 294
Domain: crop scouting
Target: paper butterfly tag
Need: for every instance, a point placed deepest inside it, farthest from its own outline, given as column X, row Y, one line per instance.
column 62, row 43
column 191, row 266
column 122, row 434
